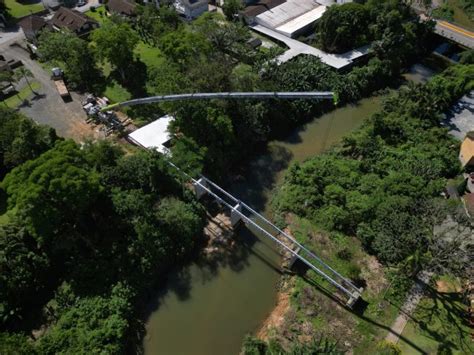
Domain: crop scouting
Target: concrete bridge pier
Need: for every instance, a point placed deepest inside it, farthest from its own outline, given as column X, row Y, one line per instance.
column 235, row 216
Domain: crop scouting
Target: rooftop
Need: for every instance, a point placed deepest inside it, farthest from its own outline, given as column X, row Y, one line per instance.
column 154, row 135
column 260, row 7
column 125, row 7
column 70, row 19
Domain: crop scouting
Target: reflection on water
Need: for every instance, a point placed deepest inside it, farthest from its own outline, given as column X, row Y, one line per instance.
column 208, row 309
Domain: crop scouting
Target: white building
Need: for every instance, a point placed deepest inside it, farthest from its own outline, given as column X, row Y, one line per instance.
column 154, row 135
column 191, row 8
column 288, row 17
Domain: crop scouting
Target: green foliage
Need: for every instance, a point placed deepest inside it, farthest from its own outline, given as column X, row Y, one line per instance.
column 444, row 12
column 24, row 269
column 17, row 344
column 381, row 183
column 90, row 225
column 392, row 26
column 72, row 54
column 231, row 9
column 92, row 325
column 21, row 139
column 54, row 193
column 115, row 43
column 344, row 27
column 467, row 57
column 254, row 346
column 388, row 348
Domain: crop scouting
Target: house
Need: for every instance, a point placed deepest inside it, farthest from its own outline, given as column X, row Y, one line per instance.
column 124, row 8
column 72, row 20
column 191, row 8
column 32, row 25
column 466, row 153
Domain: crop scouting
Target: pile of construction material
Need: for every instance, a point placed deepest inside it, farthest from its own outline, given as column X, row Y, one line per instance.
column 110, row 121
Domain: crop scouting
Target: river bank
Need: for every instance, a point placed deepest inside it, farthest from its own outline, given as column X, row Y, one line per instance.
column 230, row 298
column 237, row 295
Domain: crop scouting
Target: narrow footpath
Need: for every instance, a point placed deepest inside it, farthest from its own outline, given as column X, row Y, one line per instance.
column 411, row 302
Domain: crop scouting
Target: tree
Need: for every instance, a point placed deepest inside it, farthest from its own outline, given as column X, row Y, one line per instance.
column 54, row 195
column 231, row 8
column 115, row 43
column 343, row 27
column 21, row 139
column 98, row 324
column 24, row 73
column 23, row 267
column 71, row 53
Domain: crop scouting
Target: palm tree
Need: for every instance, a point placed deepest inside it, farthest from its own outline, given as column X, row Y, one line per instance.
column 23, row 72
column 6, row 76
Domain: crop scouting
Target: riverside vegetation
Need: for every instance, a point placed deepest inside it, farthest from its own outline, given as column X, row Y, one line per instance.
column 83, row 227
column 379, row 189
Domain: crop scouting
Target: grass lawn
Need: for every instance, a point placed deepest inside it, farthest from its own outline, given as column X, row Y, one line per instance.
column 151, row 56
column 98, row 15
column 24, row 94
column 17, row 9
column 460, row 16
column 116, row 92
column 439, row 323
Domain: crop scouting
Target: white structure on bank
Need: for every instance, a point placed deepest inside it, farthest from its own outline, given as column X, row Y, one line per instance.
column 154, row 135
column 288, row 17
column 191, row 8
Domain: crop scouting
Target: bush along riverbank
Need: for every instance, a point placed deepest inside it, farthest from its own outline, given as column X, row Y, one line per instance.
column 369, row 206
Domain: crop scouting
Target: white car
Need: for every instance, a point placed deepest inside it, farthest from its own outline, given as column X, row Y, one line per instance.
column 81, row 3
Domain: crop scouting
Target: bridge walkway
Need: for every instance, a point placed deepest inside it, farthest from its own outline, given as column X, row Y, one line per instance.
column 241, row 212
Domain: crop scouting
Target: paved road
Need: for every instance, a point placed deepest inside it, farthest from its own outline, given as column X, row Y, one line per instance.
column 412, row 300
column 48, row 108
column 296, row 48
column 11, row 34
column 455, row 33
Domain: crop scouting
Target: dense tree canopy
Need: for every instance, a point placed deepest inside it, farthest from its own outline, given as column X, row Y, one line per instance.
column 85, row 228
column 21, row 139
column 382, row 181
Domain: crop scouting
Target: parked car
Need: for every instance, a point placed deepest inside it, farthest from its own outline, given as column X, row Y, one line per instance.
column 81, row 3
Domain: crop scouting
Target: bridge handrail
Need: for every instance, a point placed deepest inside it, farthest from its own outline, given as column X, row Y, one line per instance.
column 320, row 261
column 225, row 95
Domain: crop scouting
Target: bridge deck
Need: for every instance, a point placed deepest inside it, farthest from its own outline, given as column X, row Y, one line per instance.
column 242, row 212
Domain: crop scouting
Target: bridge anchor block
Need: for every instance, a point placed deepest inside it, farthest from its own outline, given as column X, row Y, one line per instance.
column 200, row 188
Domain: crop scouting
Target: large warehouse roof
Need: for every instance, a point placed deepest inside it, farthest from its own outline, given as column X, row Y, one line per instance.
column 302, row 21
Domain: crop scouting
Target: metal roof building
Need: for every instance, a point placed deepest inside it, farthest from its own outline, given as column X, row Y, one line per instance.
column 154, row 135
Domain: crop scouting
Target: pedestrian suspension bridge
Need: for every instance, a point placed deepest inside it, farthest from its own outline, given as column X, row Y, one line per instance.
column 240, row 212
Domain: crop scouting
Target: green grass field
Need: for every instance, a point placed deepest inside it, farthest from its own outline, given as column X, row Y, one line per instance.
column 439, row 324
column 18, row 10
column 24, row 94
column 98, row 15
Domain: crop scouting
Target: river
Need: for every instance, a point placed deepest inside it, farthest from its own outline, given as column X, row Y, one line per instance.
column 207, row 310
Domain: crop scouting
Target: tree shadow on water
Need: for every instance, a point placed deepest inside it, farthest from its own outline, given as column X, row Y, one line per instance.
column 260, row 176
